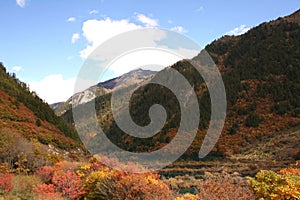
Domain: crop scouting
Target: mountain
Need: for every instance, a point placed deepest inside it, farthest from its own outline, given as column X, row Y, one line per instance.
column 28, row 126
column 54, row 106
column 133, row 77
column 261, row 74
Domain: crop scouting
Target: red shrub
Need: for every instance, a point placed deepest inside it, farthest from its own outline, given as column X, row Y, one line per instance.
column 45, row 188
column 46, row 191
column 45, row 173
column 6, row 182
column 69, row 184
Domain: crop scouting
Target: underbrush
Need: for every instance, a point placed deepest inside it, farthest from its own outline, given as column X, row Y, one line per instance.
column 92, row 180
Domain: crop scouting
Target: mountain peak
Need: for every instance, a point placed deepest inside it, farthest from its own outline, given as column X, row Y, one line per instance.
column 139, row 73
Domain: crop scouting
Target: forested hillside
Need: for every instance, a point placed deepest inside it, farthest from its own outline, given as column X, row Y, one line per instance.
column 261, row 73
column 18, row 90
column 30, row 132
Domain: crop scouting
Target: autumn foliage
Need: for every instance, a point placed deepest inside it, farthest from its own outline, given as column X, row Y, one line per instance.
column 45, row 173
column 47, row 191
column 68, row 184
column 6, row 183
column 270, row 185
column 224, row 189
column 142, row 186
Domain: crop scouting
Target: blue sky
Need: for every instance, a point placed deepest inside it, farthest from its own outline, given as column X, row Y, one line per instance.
column 45, row 42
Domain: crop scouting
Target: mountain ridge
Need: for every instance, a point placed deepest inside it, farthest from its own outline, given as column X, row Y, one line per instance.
column 261, row 71
column 133, row 77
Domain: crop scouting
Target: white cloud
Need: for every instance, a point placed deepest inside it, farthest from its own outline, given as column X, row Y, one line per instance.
column 170, row 21
column 21, row 3
column 71, row 19
column 153, row 59
column 17, row 68
column 179, row 29
column 98, row 31
column 238, row 30
column 93, row 12
column 53, row 88
column 147, row 21
column 200, row 9
column 75, row 37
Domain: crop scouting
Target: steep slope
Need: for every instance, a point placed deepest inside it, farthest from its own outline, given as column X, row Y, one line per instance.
column 261, row 73
column 20, row 92
column 29, row 125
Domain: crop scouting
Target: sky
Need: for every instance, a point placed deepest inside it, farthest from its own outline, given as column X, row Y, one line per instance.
column 45, row 42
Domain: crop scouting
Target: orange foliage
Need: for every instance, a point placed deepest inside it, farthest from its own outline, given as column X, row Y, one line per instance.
column 292, row 171
column 224, row 189
column 142, row 186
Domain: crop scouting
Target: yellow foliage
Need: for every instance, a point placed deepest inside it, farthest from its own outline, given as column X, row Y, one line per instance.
column 270, row 185
column 187, row 196
column 83, row 169
column 97, row 184
column 151, row 180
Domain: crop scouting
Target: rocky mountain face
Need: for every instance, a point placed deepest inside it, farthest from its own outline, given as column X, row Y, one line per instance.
column 102, row 88
column 130, row 78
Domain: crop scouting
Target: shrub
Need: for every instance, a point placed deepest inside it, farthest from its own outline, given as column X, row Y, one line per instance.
column 4, row 168
column 45, row 173
column 69, row 184
column 86, row 169
column 292, row 171
column 101, row 184
column 188, row 196
column 6, row 183
column 225, row 189
column 47, row 191
column 143, row 187
column 21, row 166
column 270, row 185
column 53, row 158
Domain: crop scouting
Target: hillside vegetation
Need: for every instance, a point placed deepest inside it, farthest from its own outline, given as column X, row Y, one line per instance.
column 19, row 91
column 261, row 73
column 31, row 135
